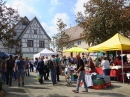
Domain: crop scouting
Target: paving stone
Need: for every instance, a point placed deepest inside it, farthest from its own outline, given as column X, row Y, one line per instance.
column 32, row 88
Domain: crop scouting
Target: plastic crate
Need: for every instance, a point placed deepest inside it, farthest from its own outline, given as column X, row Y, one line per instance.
column 108, row 84
column 98, row 87
column 98, row 82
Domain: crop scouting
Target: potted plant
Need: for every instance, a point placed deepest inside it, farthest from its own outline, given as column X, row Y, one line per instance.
column 1, row 89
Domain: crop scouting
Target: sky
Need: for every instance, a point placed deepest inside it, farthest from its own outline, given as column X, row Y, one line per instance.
column 48, row 11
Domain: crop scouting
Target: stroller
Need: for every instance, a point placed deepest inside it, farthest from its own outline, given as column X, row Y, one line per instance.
column 70, row 75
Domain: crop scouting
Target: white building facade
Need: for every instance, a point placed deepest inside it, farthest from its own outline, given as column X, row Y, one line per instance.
column 32, row 35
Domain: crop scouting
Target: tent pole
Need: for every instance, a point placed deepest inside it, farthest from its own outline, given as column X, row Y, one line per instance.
column 122, row 67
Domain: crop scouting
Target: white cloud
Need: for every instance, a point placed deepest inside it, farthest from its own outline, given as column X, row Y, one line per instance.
column 65, row 18
column 55, row 2
column 52, row 29
column 79, row 6
column 24, row 9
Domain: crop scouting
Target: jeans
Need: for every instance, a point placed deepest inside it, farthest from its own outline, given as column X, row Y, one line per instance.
column 15, row 75
column 53, row 75
column 46, row 73
column 31, row 67
column 81, row 77
column 106, row 72
column 9, row 76
column 41, row 73
column 57, row 72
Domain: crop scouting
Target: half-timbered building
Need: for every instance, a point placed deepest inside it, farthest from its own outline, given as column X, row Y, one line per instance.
column 32, row 35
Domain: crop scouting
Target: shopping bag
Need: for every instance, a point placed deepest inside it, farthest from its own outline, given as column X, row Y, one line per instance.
column 38, row 76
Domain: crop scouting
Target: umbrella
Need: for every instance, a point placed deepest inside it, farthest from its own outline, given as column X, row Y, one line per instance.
column 76, row 49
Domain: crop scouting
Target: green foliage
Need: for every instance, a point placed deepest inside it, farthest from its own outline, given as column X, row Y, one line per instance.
column 61, row 39
column 103, row 19
column 8, row 19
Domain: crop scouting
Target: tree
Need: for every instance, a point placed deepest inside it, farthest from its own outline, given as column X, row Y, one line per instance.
column 61, row 39
column 102, row 19
column 8, row 18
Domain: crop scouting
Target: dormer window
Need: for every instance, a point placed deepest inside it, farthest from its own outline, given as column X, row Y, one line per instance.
column 35, row 31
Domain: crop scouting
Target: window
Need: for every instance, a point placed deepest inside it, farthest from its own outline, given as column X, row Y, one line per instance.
column 79, row 43
column 41, row 44
column 35, row 31
column 30, row 43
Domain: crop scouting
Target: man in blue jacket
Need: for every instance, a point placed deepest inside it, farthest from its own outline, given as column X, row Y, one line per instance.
column 41, row 70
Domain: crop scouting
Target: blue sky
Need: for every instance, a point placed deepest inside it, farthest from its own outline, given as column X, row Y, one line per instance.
column 47, row 11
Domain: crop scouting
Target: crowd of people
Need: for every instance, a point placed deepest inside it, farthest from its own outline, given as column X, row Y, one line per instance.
column 18, row 68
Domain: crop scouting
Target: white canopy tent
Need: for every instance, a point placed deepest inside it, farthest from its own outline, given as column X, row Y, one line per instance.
column 44, row 52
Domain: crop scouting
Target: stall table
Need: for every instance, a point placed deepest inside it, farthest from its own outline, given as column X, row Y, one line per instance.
column 116, row 72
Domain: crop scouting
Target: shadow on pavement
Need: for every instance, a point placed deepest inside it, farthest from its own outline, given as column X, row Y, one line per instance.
column 16, row 95
column 36, row 87
column 109, row 94
column 54, row 95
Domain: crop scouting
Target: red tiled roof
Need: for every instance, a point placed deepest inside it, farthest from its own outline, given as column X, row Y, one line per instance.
column 74, row 32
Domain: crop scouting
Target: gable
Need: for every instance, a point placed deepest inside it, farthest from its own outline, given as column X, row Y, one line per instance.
column 20, row 26
column 35, row 25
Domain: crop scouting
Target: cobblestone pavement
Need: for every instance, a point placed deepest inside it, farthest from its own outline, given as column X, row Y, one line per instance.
column 33, row 89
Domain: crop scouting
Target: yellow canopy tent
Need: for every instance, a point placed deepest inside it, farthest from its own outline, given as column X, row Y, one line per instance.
column 117, row 42
column 76, row 49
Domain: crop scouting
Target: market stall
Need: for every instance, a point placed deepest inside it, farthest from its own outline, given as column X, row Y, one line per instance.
column 116, row 72
column 44, row 52
column 117, row 42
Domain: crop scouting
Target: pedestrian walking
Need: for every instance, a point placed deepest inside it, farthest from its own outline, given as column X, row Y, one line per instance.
column 15, row 69
column 81, row 75
column 58, row 67
column 46, row 74
column 31, row 65
column 20, row 65
column 3, row 65
column 41, row 69
column 9, row 68
column 27, row 66
column 35, row 64
column 52, row 66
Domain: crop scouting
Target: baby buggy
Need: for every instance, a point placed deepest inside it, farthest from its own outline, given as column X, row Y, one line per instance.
column 70, row 75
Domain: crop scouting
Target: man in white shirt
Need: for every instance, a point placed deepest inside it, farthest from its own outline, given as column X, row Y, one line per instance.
column 105, row 66
column 46, row 74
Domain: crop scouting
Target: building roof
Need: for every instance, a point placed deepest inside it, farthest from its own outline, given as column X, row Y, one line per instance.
column 74, row 32
column 39, row 24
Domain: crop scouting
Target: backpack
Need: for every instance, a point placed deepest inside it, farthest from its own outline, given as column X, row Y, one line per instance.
column 50, row 64
column 10, row 63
